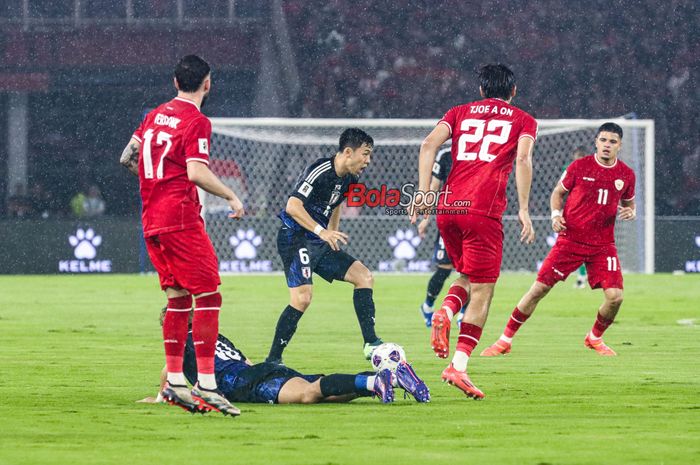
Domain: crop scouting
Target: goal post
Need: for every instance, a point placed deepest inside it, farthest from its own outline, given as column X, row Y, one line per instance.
column 261, row 158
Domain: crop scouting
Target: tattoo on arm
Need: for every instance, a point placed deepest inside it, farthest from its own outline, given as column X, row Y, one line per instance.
column 130, row 157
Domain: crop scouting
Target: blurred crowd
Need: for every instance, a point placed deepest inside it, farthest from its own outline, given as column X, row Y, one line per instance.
column 404, row 59
column 597, row 59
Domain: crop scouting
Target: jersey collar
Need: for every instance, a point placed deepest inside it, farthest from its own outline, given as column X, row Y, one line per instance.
column 595, row 157
column 187, row 101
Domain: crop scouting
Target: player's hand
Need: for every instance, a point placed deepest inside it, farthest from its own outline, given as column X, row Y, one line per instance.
column 332, row 237
column 558, row 224
column 423, row 227
column 416, row 209
column 626, row 213
column 527, row 233
column 237, row 211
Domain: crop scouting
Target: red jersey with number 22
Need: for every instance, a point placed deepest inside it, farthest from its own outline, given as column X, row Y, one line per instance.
column 172, row 135
column 595, row 191
column 485, row 137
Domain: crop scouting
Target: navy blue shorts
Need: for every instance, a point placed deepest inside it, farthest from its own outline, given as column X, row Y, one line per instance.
column 302, row 257
column 440, row 256
column 262, row 382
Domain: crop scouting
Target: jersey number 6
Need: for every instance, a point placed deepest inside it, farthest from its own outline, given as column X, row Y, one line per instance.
column 477, row 137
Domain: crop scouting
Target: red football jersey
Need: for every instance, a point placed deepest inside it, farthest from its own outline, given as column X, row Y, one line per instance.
column 172, row 135
column 485, row 137
column 595, row 191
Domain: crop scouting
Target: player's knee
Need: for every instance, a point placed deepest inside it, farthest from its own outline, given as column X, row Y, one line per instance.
column 614, row 297
column 366, row 279
column 302, row 301
column 539, row 290
column 361, row 276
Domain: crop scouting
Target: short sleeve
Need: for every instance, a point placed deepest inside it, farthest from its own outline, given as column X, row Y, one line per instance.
column 197, row 139
column 568, row 178
column 529, row 128
column 629, row 192
column 138, row 134
column 310, row 178
column 449, row 119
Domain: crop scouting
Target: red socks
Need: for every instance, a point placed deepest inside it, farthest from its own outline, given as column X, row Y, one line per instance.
column 601, row 324
column 456, row 298
column 517, row 318
column 175, row 331
column 205, row 331
column 469, row 336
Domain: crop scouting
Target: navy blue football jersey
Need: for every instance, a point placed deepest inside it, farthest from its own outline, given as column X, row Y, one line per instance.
column 228, row 361
column 443, row 164
column 321, row 190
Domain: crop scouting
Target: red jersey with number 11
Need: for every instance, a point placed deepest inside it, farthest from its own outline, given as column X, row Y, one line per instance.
column 172, row 135
column 485, row 137
column 595, row 190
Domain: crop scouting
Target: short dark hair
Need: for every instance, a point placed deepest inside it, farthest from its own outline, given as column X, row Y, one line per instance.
column 190, row 73
column 610, row 127
column 354, row 138
column 496, row 81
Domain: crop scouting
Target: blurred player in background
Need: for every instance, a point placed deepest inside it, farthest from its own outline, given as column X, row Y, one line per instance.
column 580, row 152
column 443, row 264
column 308, row 240
column 169, row 152
column 487, row 136
column 598, row 188
column 242, row 381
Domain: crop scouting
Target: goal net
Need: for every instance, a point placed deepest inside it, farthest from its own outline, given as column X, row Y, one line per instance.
column 261, row 158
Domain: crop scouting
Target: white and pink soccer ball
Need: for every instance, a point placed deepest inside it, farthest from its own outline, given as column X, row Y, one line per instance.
column 387, row 355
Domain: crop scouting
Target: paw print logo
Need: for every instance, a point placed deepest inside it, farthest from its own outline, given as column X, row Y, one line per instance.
column 552, row 239
column 245, row 244
column 404, row 243
column 85, row 244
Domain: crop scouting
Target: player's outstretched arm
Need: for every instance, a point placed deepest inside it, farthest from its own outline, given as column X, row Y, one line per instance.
column 428, row 151
column 130, row 156
column 202, row 177
column 556, row 202
column 627, row 210
column 295, row 209
column 158, row 398
column 523, row 182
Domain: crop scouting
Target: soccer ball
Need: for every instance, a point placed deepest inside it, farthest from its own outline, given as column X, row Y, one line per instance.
column 387, row 355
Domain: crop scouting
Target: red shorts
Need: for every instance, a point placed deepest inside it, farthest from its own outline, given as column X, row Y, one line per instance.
column 475, row 245
column 602, row 264
column 185, row 259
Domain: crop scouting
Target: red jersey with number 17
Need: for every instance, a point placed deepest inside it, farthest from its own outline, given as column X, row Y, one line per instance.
column 595, row 190
column 485, row 137
column 172, row 135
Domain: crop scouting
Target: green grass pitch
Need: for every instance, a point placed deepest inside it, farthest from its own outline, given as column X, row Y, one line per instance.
column 77, row 351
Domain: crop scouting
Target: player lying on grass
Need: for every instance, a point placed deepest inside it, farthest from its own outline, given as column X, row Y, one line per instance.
column 600, row 188
column 242, row 381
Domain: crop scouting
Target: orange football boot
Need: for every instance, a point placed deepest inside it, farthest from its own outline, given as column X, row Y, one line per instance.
column 460, row 380
column 599, row 346
column 440, row 333
column 499, row 347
